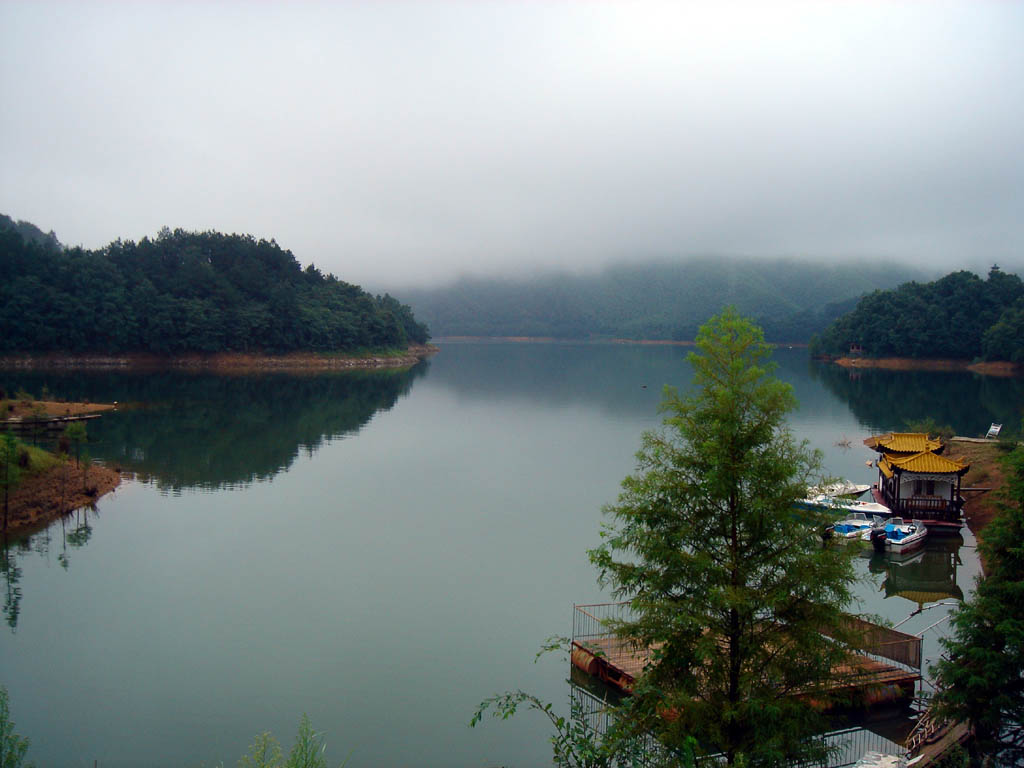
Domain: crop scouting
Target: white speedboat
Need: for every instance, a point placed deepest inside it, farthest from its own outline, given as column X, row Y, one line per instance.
column 842, row 488
column 849, row 506
column 899, row 536
column 855, row 524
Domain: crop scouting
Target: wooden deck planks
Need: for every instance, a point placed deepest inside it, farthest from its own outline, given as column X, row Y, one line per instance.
column 619, row 664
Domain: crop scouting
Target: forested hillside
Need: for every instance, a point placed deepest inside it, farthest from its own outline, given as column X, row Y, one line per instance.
column 959, row 316
column 183, row 292
column 790, row 299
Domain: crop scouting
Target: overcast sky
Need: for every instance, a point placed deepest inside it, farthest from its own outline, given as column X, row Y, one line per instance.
column 402, row 142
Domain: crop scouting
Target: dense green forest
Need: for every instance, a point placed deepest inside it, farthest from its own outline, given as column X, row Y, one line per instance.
column 959, row 316
column 183, row 292
column 790, row 299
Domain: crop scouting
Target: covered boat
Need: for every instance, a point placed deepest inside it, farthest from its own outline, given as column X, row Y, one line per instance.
column 898, row 536
column 855, row 524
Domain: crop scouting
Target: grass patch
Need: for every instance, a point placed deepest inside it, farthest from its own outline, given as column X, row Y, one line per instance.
column 39, row 459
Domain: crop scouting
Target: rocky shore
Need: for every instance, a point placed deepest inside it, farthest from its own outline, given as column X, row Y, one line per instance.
column 990, row 368
column 226, row 361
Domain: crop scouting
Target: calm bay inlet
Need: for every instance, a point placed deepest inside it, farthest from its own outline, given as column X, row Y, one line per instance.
column 379, row 549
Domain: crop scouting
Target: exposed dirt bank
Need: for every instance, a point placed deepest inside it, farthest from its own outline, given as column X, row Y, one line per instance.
column 986, row 472
column 46, row 496
column 49, row 409
column 994, row 368
column 226, row 361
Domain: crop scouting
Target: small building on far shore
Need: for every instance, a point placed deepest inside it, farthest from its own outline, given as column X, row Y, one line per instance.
column 916, row 481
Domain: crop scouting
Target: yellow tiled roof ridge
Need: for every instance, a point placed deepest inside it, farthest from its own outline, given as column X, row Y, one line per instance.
column 903, row 442
column 926, row 462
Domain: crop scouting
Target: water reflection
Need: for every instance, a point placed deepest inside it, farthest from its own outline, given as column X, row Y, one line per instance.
column 884, row 400
column 199, row 430
column 75, row 532
column 927, row 576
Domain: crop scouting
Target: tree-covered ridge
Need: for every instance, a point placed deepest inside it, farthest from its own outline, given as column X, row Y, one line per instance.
column 185, row 292
column 959, row 316
column 791, row 299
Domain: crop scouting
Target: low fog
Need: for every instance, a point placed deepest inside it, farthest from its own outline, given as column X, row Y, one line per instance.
column 403, row 143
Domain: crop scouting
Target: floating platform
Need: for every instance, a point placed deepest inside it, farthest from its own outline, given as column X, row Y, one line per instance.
column 887, row 670
column 48, row 423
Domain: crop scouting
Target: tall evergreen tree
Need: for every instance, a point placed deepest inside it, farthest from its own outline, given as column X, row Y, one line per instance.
column 981, row 677
column 733, row 589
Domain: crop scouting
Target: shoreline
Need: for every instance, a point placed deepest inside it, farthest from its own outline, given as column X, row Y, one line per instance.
column 225, row 361
column 59, row 491
column 980, row 508
column 991, row 368
column 557, row 340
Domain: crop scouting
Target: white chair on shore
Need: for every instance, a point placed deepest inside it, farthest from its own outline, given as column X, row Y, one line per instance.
column 993, row 431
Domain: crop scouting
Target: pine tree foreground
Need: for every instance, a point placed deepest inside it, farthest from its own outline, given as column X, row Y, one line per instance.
column 981, row 677
column 726, row 580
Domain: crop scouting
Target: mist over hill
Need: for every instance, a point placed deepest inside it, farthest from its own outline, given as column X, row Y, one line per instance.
column 959, row 316
column 792, row 299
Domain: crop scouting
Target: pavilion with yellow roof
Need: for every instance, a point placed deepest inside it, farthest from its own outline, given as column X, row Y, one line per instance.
column 916, row 481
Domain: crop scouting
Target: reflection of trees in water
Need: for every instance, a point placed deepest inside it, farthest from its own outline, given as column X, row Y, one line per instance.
column 12, row 578
column 75, row 532
column 188, row 430
column 616, row 378
column 884, row 400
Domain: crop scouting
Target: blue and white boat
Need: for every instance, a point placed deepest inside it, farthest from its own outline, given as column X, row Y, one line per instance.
column 898, row 536
column 855, row 524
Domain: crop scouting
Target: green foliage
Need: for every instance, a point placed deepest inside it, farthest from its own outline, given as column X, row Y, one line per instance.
column 732, row 587
column 308, row 751
column 959, row 316
column 186, row 292
column 575, row 743
column 930, row 427
column 76, row 434
column 10, row 472
column 981, row 677
column 12, row 746
column 792, row 299
column 1005, row 339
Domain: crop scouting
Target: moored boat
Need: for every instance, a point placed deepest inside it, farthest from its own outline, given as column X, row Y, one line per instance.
column 899, row 536
column 854, row 525
column 842, row 488
column 823, row 501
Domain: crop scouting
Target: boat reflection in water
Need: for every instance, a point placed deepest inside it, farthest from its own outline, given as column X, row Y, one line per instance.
column 925, row 576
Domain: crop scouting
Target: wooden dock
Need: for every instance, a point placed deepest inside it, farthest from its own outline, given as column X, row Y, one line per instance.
column 934, row 525
column 887, row 671
column 48, row 423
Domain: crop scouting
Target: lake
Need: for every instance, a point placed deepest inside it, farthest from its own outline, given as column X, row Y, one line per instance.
column 380, row 550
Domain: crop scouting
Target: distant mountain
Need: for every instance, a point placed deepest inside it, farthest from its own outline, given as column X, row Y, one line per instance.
column 959, row 316
column 183, row 292
column 792, row 299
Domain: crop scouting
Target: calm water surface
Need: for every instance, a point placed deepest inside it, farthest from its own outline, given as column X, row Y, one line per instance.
column 379, row 550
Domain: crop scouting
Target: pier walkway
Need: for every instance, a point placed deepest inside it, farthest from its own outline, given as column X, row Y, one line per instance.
column 886, row 669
